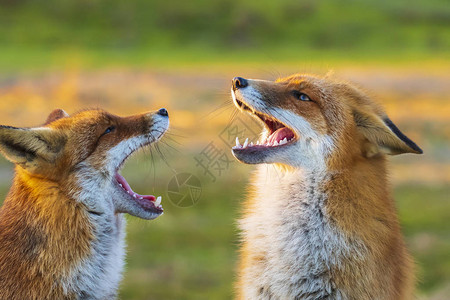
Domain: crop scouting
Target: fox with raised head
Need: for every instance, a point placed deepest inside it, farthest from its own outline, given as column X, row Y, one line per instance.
column 62, row 224
column 320, row 222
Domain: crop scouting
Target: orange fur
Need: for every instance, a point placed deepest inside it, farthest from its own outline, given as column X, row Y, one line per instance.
column 37, row 247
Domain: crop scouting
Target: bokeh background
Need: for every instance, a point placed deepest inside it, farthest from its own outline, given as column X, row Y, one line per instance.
column 132, row 56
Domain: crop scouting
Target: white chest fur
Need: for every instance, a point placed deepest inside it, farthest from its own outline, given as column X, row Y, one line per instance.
column 296, row 243
column 98, row 276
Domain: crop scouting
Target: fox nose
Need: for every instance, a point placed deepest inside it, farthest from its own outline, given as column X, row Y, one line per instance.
column 163, row 112
column 239, row 83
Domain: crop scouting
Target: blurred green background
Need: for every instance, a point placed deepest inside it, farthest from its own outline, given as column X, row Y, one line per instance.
column 142, row 32
column 133, row 56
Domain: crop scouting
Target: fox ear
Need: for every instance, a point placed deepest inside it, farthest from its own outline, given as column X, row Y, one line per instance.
column 56, row 115
column 383, row 135
column 29, row 146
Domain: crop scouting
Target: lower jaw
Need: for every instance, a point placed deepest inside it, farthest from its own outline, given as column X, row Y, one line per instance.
column 136, row 209
column 148, row 203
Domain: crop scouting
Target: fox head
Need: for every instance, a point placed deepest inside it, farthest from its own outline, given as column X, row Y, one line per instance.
column 310, row 120
column 83, row 153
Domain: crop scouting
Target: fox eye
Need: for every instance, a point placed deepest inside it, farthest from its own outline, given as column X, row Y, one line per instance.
column 109, row 129
column 301, row 96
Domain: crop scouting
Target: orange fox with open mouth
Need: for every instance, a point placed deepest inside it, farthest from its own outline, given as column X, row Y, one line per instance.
column 62, row 224
column 321, row 223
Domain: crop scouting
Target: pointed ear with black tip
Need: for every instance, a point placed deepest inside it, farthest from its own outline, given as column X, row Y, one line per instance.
column 29, row 147
column 382, row 135
column 56, row 115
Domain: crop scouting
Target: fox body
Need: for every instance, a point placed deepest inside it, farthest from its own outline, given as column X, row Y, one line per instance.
column 61, row 224
column 320, row 222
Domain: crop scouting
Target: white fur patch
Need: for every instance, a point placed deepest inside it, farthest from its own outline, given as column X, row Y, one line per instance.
column 290, row 228
column 99, row 274
column 312, row 148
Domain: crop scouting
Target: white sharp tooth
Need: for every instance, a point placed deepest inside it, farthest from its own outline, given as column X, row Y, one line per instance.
column 134, row 195
column 120, row 185
column 275, row 143
column 141, row 198
column 283, row 141
column 257, row 142
column 245, row 143
column 251, row 144
column 158, row 201
column 237, row 142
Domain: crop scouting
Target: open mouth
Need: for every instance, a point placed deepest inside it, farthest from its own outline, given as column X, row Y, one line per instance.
column 146, row 202
column 278, row 134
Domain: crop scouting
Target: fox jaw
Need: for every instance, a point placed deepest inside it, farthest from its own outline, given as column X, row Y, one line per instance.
column 84, row 153
column 311, row 121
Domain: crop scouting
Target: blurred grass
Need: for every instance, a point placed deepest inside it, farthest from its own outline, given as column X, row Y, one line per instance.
column 425, row 214
column 52, row 33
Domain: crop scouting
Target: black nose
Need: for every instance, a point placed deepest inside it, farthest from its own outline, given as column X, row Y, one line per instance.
column 239, row 83
column 163, row 112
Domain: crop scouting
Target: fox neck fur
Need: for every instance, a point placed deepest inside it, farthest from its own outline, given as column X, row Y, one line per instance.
column 90, row 252
column 302, row 238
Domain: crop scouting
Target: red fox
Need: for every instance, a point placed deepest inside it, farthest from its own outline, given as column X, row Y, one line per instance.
column 320, row 222
column 62, row 224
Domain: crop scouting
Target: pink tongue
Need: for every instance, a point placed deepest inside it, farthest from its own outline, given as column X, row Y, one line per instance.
column 280, row 134
column 120, row 179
